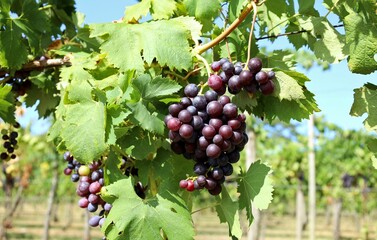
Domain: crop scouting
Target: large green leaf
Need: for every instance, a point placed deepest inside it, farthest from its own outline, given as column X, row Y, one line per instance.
column 227, row 211
column 160, row 9
column 130, row 45
column 361, row 36
column 83, row 130
column 7, row 107
column 156, row 87
column 153, row 218
column 365, row 101
column 255, row 188
column 147, row 120
column 204, row 11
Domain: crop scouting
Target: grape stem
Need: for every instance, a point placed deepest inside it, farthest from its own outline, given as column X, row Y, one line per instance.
column 211, row 206
column 223, row 35
column 203, row 85
column 251, row 33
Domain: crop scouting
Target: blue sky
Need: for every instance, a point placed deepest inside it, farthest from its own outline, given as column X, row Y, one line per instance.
column 333, row 88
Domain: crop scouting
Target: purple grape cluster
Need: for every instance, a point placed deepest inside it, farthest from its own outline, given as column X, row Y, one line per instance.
column 208, row 129
column 90, row 182
column 9, row 136
column 235, row 78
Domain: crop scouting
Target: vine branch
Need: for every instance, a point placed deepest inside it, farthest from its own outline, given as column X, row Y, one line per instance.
column 38, row 65
column 224, row 34
column 291, row 33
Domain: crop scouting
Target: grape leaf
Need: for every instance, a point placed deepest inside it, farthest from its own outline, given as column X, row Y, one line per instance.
column 13, row 50
column 83, row 130
column 130, row 45
column 204, row 11
column 111, row 171
column 330, row 44
column 271, row 15
column 254, row 187
column 156, row 87
column 145, row 119
column 139, row 143
column 134, row 218
column 161, row 9
column 365, row 101
column 227, row 211
column 307, row 7
column 361, row 36
column 7, row 108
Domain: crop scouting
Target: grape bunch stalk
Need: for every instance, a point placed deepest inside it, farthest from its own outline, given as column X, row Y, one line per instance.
column 9, row 137
column 90, row 182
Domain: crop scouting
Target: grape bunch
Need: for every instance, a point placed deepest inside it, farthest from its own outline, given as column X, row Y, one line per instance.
column 235, row 78
column 208, row 129
column 90, row 182
column 9, row 137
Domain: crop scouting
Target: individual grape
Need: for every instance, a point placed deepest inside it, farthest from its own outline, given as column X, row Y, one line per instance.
column 211, row 95
column 190, row 186
column 93, row 198
column 218, row 140
column 67, row 171
column 224, row 100
column 226, row 131
column 4, row 155
column 92, row 207
column 174, row 124
column 224, row 78
column 203, row 115
column 95, row 187
column 216, row 66
column 234, row 84
column 83, row 202
column 186, row 131
column 237, row 69
column 101, row 222
column 237, row 138
column 16, row 125
column 200, row 169
column 13, row 156
column 83, row 187
column 10, row 149
column 217, row 173
column 271, row 74
column 214, row 109
column 201, row 180
column 226, row 145
column 203, row 143
column 261, row 77
column 183, row 184
column 174, row 109
column 107, row 206
column 197, row 123
column 101, row 181
column 255, row 65
column 223, row 160
column 199, row 102
column 185, row 102
column 192, row 110
column 13, row 135
column 216, row 190
column 210, row 184
column 75, row 177
column 267, row 88
column 228, row 68
column 67, row 156
column 185, row 116
column 216, row 123
column 230, row 110
column 208, row 131
column 215, row 82
column 84, row 170
column 95, row 176
column 213, row 150
column 167, row 118
column 227, row 169
column 234, row 124
column 140, row 190
column 246, row 77
column 191, row 90
column 94, row 221
column 5, row 137
column 234, row 156
column 223, row 60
